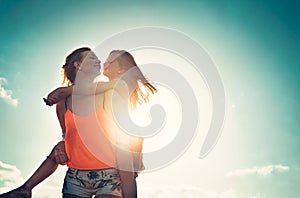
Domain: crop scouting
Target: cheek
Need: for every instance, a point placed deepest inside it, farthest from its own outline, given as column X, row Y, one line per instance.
column 91, row 62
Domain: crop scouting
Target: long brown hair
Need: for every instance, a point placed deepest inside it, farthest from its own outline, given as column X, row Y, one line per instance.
column 69, row 68
column 138, row 96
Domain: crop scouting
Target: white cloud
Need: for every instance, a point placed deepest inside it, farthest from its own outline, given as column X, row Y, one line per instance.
column 263, row 171
column 9, row 175
column 10, row 178
column 6, row 95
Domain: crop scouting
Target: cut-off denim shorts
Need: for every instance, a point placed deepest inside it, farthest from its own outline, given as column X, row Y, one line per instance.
column 86, row 183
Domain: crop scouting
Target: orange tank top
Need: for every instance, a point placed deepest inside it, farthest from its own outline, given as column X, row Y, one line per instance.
column 88, row 145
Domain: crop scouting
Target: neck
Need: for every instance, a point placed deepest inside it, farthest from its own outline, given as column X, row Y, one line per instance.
column 84, row 79
column 114, row 77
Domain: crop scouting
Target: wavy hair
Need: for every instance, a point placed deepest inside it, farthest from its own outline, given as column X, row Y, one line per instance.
column 139, row 93
column 69, row 68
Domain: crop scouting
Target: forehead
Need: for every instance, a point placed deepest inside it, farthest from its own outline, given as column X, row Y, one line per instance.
column 88, row 53
column 112, row 56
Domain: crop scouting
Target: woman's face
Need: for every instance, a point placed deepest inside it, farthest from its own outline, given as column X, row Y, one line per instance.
column 90, row 63
column 111, row 67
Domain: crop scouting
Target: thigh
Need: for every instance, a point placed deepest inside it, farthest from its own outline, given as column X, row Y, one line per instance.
column 109, row 184
column 74, row 186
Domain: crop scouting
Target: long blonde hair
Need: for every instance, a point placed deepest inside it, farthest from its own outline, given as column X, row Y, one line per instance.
column 138, row 96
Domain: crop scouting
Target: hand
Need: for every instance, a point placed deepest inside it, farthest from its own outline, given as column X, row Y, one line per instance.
column 57, row 95
column 53, row 97
column 46, row 101
column 60, row 154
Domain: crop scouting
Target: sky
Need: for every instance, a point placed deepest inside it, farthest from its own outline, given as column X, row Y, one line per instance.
column 255, row 45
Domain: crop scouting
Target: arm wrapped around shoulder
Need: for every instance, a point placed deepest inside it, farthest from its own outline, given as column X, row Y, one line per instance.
column 58, row 94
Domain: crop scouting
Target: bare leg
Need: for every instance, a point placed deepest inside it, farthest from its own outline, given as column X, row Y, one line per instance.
column 45, row 170
column 126, row 173
column 128, row 183
column 21, row 192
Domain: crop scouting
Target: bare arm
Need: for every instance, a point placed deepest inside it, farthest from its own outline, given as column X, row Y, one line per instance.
column 95, row 88
column 59, row 150
column 60, row 112
column 57, row 95
column 63, row 92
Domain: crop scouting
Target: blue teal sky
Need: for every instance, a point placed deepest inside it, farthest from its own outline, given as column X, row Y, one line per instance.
column 254, row 44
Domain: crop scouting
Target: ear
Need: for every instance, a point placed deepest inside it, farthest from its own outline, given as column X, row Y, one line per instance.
column 77, row 65
column 121, row 70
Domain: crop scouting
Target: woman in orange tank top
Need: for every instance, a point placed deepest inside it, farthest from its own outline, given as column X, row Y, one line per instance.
column 58, row 154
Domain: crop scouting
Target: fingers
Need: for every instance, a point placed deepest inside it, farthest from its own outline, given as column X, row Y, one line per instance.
column 60, row 146
column 51, row 100
column 60, row 153
column 53, row 97
column 47, row 102
column 61, row 159
column 60, row 156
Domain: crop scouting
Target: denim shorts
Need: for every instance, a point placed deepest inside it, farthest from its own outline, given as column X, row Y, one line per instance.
column 86, row 183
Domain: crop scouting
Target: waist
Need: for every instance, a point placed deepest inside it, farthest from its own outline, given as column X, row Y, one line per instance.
column 87, row 157
column 88, row 173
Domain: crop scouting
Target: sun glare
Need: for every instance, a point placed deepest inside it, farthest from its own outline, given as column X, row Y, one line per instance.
column 167, row 98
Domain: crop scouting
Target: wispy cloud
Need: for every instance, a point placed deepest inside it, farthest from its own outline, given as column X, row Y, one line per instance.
column 9, row 175
column 187, row 192
column 263, row 170
column 6, row 95
column 51, row 188
column 190, row 191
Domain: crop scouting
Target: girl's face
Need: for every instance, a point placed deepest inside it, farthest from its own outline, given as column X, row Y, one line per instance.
column 90, row 63
column 112, row 68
